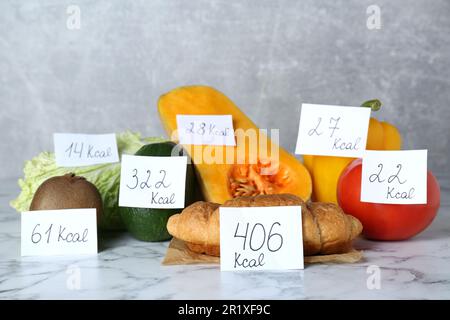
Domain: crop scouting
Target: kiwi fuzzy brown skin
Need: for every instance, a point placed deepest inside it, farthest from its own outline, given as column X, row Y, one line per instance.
column 67, row 192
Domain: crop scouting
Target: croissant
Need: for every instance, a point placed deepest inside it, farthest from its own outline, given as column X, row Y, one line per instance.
column 326, row 228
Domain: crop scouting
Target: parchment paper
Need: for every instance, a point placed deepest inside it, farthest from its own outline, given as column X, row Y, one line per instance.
column 178, row 254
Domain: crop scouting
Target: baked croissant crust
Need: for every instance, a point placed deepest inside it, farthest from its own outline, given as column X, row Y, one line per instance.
column 326, row 228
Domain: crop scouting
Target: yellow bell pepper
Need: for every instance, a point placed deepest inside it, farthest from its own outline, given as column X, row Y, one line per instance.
column 325, row 170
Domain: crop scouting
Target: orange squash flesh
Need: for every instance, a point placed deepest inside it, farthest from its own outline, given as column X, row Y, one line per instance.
column 237, row 169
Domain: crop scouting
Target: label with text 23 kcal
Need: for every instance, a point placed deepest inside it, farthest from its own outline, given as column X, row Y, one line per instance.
column 261, row 238
column 59, row 232
column 152, row 182
column 206, row 130
column 73, row 149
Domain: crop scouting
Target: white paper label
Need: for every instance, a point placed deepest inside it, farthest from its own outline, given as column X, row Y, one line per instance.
column 261, row 238
column 394, row 177
column 75, row 150
column 333, row 130
column 206, row 130
column 59, row 232
column 152, row 182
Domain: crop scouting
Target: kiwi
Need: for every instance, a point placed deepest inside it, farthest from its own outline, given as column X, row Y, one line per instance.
column 67, row 192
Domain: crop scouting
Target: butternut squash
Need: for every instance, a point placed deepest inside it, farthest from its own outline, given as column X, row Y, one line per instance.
column 254, row 166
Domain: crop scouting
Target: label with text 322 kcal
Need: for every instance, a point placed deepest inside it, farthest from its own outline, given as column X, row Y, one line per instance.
column 152, row 182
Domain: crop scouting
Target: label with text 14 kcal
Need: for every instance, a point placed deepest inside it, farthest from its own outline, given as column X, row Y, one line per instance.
column 74, row 150
column 206, row 130
column 333, row 130
column 59, row 232
column 396, row 177
column 261, row 238
column 152, row 182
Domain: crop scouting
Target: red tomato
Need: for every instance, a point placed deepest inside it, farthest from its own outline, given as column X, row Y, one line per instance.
column 386, row 221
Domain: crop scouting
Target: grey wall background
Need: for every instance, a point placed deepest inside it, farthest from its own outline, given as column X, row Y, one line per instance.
column 267, row 56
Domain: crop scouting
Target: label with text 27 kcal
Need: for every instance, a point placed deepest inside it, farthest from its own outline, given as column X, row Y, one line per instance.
column 261, row 238
column 333, row 130
column 153, row 182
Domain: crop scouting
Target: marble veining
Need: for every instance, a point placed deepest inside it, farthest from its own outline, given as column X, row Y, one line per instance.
column 129, row 269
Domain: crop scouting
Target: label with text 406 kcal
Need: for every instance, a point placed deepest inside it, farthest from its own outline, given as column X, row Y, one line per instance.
column 261, row 238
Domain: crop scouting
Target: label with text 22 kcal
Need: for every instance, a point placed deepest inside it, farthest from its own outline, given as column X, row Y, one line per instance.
column 261, row 238
column 397, row 177
column 333, row 130
column 73, row 149
column 152, row 182
column 206, row 130
column 59, row 232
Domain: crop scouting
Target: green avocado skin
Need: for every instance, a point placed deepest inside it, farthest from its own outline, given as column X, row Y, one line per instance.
column 147, row 224
column 150, row 224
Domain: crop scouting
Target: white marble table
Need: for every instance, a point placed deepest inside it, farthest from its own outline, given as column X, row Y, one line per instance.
column 129, row 269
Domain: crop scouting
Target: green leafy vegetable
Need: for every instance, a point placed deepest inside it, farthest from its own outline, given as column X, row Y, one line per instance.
column 106, row 177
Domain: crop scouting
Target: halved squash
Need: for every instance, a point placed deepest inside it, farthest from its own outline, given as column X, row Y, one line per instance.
column 254, row 166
